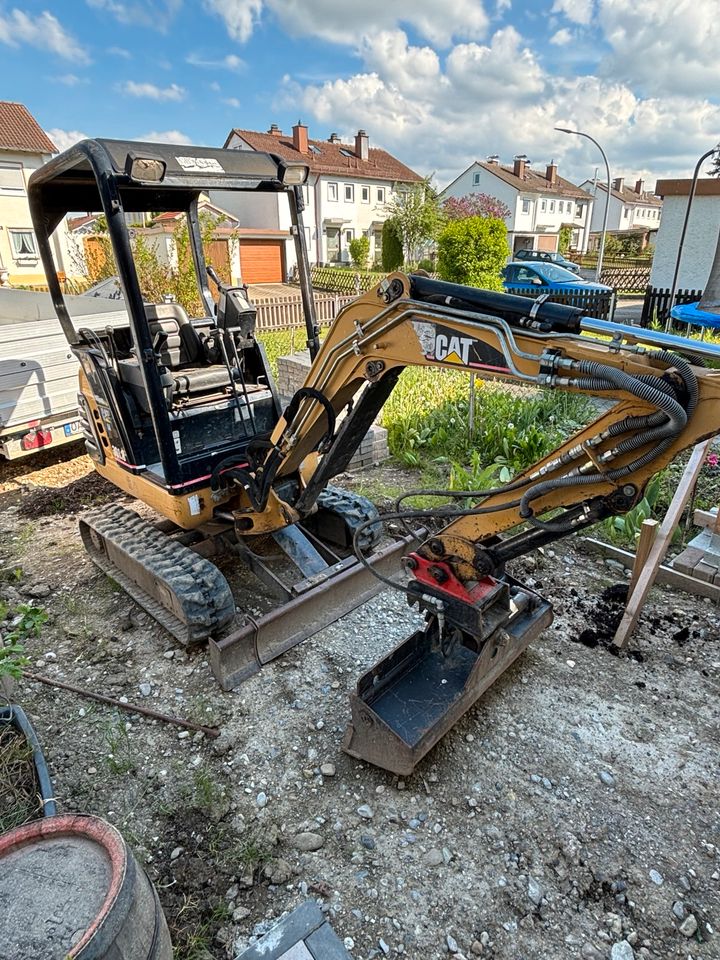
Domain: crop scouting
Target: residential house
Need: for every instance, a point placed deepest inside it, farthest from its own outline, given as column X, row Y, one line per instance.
column 24, row 146
column 346, row 196
column 632, row 209
column 701, row 238
column 540, row 204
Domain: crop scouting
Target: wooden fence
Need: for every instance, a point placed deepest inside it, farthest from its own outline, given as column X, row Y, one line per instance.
column 284, row 313
column 338, row 280
column 656, row 305
column 589, row 261
column 627, row 279
column 594, row 303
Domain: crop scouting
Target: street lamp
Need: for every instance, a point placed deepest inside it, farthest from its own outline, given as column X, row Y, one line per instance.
column 601, row 251
column 691, row 197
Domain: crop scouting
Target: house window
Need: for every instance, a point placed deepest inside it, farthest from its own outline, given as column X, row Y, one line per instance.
column 476, row 178
column 332, row 191
column 23, row 244
column 526, row 206
column 11, row 178
column 349, row 192
column 349, row 235
column 552, row 206
column 381, row 194
column 561, row 206
column 365, row 194
column 543, row 205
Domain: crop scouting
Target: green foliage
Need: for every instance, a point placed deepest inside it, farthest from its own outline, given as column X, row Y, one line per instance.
column 28, row 623
column 360, row 252
column 473, row 252
column 617, row 246
column 564, row 239
column 392, row 249
column 417, row 217
column 626, row 529
column 427, row 265
column 478, row 476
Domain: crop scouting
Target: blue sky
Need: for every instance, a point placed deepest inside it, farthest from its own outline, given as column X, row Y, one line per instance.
column 438, row 84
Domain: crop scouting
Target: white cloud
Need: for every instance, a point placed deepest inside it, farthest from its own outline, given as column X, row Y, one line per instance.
column 71, row 80
column 153, row 92
column 497, row 98
column 43, row 31
column 561, row 37
column 120, row 52
column 158, row 14
column 240, row 16
column 345, row 22
column 64, row 139
column 230, row 62
column 215, row 86
column 579, row 11
column 232, row 102
column 663, row 46
column 165, row 136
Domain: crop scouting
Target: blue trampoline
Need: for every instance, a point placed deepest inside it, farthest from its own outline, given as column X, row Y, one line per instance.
column 690, row 313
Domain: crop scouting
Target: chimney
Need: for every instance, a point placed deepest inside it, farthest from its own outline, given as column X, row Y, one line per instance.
column 333, row 138
column 519, row 167
column 639, row 184
column 361, row 145
column 551, row 173
column 618, row 183
column 275, row 130
column 300, row 137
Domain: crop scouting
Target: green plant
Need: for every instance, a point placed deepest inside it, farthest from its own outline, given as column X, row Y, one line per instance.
column 416, row 214
column 28, row 622
column 478, row 476
column 360, row 252
column 626, row 528
column 473, row 252
column 120, row 758
column 564, row 238
column 392, row 250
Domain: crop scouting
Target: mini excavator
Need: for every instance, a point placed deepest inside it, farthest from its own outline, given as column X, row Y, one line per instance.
column 181, row 413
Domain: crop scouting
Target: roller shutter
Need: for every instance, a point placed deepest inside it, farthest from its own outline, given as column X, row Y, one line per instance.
column 262, row 261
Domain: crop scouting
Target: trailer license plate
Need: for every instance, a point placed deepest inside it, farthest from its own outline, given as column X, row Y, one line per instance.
column 70, row 428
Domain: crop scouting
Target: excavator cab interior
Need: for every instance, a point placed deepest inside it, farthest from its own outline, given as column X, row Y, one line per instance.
column 177, row 396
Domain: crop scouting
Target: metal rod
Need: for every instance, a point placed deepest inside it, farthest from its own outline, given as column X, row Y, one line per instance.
column 127, row 707
column 601, row 251
column 653, row 337
column 691, row 197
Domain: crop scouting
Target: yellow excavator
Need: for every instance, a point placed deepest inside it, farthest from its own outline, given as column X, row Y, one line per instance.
column 182, row 414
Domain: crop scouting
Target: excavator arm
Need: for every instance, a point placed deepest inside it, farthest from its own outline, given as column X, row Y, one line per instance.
column 478, row 618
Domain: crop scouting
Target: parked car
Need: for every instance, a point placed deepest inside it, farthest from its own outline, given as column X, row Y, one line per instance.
column 545, row 256
column 547, row 276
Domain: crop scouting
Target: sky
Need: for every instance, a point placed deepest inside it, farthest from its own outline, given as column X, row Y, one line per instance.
column 438, row 83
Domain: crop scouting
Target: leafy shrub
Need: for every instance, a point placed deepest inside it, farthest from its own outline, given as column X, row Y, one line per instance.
column 626, row 529
column 426, row 265
column 392, row 249
column 473, row 251
column 360, row 252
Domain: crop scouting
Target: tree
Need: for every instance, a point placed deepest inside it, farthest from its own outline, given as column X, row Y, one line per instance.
column 473, row 252
column 417, row 216
column 392, row 251
column 360, row 252
column 564, row 239
column 475, row 205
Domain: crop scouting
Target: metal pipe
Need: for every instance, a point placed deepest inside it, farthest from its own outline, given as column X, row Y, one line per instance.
column 652, row 337
column 691, row 197
column 601, row 251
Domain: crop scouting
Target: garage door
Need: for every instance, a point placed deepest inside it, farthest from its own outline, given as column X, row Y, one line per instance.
column 548, row 242
column 261, row 261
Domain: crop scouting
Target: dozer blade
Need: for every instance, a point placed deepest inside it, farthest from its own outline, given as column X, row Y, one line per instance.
column 321, row 600
column 184, row 592
column 408, row 700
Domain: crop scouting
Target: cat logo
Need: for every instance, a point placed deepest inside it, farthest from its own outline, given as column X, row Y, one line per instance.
column 453, row 349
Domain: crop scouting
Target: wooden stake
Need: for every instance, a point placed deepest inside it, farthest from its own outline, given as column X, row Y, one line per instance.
column 648, row 532
column 646, row 576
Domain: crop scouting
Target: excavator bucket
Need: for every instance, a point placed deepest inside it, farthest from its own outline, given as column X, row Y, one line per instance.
column 410, row 698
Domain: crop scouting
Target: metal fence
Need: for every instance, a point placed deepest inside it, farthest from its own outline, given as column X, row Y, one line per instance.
column 657, row 305
column 593, row 303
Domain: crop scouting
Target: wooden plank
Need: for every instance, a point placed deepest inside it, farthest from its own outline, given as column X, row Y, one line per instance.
column 657, row 551
column 708, row 518
column 648, row 532
column 665, row 575
column 301, row 923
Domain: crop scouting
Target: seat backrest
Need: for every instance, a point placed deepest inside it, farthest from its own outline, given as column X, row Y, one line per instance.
column 188, row 348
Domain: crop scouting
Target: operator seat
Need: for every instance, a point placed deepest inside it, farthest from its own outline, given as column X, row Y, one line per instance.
column 179, row 348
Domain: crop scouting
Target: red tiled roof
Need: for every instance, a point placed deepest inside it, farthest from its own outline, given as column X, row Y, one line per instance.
column 533, row 182
column 629, row 195
column 19, row 130
column 327, row 157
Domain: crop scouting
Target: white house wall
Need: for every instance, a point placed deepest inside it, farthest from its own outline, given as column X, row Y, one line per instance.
column 699, row 247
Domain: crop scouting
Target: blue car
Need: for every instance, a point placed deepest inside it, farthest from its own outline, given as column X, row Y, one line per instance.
column 547, row 277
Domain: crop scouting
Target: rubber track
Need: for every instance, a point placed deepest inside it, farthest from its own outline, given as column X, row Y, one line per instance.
column 354, row 510
column 184, row 592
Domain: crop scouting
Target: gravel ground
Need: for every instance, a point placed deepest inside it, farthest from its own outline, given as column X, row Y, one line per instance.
column 572, row 813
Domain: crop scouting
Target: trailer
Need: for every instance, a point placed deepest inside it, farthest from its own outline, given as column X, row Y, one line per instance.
column 38, row 370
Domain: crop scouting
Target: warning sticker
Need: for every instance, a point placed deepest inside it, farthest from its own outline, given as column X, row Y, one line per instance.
column 444, row 344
